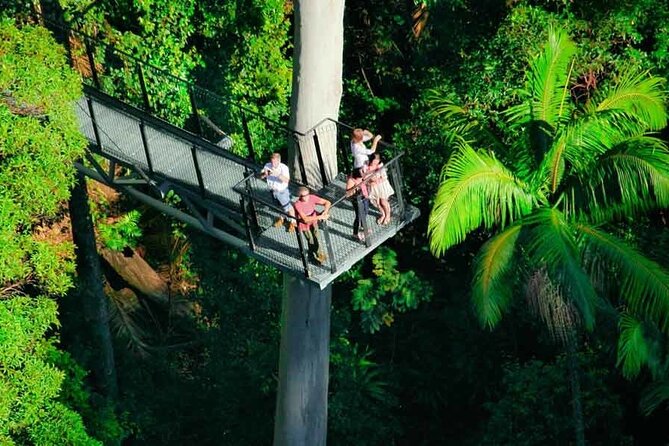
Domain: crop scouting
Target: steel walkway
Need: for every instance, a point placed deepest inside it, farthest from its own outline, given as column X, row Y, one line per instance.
column 218, row 192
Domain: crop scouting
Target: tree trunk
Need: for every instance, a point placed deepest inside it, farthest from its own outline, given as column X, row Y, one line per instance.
column 575, row 383
column 317, row 84
column 132, row 268
column 301, row 409
column 90, row 291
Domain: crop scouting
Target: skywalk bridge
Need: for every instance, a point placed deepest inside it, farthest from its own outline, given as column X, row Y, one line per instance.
column 142, row 146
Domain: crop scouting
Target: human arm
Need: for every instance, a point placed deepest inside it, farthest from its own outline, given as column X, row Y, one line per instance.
column 350, row 187
column 304, row 218
column 279, row 173
column 264, row 173
column 326, row 208
column 375, row 141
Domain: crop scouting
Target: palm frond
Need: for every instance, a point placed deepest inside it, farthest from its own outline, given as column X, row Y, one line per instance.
column 552, row 168
column 656, row 394
column 643, row 284
column 627, row 180
column 458, row 122
column 547, row 81
column 581, row 141
column 639, row 94
column 476, row 190
column 551, row 245
column 491, row 293
column 633, row 351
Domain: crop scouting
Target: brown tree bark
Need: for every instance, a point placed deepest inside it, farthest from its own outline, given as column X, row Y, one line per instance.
column 90, row 290
column 138, row 274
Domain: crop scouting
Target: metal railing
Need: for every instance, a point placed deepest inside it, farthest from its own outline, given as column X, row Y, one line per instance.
column 261, row 211
column 227, row 124
column 207, row 144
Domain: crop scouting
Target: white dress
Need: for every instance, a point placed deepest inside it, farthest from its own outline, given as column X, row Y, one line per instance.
column 380, row 187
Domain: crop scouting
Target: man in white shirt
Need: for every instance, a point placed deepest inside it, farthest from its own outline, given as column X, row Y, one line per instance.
column 359, row 150
column 277, row 176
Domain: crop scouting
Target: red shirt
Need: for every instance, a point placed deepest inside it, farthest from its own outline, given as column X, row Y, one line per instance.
column 307, row 208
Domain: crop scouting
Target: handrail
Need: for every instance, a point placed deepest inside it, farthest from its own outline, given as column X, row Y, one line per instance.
column 206, row 91
column 166, row 126
column 366, row 179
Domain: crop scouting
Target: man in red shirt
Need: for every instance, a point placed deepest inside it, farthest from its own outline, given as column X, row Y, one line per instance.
column 305, row 206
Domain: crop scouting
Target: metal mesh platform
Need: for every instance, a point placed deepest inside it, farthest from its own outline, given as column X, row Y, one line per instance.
column 211, row 178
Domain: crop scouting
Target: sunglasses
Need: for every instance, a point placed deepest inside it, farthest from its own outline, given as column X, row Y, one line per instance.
column 304, row 195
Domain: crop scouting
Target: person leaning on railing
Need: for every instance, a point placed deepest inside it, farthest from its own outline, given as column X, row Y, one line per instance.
column 305, row 206
column 356, row 190
column 277, row 175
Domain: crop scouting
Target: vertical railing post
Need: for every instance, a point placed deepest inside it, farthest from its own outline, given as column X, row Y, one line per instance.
column 94, row 121
column 247, row 222
column 300, row 160
column 142, row 85
column 303, row 253
column 247, row 137
column 198, row 172
column 399, row 187
column 196, row 114
column 145, row 144
column 328, row 244
column 91, row 61
column 345, row 154
column 319, row 156
column 254, row 210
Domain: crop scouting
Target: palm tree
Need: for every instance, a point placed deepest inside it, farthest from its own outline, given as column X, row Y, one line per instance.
column 548, row 196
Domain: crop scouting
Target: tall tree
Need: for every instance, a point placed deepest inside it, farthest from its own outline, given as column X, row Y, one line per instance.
column 40, row 138
column 91, row 292
column 301, row 413
column 578, row 167
column 317, row 81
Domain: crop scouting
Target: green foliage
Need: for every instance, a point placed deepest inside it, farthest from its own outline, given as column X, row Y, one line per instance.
column 536, row 406
column 122, row 233
column 40, row 139
column 555, row 200
column 100, row 417
column 388, row 292
column 358, row 386
column 476, row 190
column 246, row 48
column 155, row 32
column 30, row 384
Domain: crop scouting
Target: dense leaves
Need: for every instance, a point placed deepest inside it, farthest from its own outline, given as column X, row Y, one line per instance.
column 40, row 140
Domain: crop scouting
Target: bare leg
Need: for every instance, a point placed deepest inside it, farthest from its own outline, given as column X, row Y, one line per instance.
column 385, row 210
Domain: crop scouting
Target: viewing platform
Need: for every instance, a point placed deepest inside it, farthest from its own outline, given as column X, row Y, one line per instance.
column 218, row 190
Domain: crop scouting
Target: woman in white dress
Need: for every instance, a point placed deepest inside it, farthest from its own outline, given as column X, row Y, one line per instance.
column 380, row 189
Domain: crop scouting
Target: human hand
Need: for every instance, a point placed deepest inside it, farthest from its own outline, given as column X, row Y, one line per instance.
column 377, row 138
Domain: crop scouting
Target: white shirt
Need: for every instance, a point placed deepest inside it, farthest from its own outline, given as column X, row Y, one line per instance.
column 273, row 180
column 360, row 152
